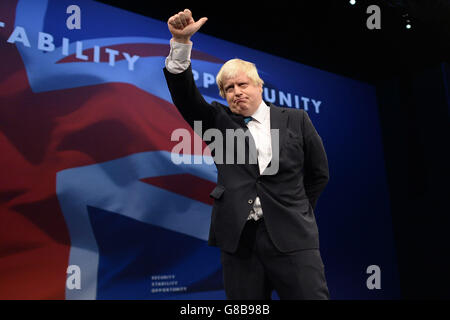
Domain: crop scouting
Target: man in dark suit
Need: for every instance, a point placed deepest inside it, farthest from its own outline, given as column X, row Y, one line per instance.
column 263, row 214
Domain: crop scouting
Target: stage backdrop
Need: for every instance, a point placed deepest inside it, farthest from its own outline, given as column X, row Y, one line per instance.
column 92, row 207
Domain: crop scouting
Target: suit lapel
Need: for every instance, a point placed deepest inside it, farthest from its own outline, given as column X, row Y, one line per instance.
column 278, row 120
column 239, row 123
column 239, row 120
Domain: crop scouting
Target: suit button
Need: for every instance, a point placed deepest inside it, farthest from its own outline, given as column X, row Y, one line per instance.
column 250, row 201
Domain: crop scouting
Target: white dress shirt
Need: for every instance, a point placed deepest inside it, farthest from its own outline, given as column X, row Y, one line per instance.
column 259, row 127
column 179, row 57
column 178, row 61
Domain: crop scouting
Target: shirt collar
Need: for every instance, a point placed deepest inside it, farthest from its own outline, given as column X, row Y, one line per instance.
column 261, row 113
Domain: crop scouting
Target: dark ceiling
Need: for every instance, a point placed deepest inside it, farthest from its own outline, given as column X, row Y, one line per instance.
column 331, row 35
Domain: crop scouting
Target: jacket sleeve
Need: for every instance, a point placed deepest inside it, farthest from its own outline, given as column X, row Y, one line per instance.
column 188, row 99
column 316, row 174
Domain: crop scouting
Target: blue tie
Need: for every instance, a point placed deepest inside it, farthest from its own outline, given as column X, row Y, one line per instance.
column 247, row 119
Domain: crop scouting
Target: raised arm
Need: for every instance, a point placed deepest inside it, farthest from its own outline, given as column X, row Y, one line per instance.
column 178, row 72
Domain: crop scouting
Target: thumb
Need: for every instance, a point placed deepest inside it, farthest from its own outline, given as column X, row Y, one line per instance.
column 200, row 22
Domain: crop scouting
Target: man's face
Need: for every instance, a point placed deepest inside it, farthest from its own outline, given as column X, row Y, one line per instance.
column 242, row 94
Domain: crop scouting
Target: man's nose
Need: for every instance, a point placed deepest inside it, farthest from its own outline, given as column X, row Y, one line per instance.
column 237, row 91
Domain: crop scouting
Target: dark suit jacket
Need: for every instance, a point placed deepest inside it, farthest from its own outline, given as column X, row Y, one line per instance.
column 288, row 198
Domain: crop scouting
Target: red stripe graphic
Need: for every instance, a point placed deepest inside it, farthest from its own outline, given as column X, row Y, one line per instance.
column 139, row 49
column 43, row 133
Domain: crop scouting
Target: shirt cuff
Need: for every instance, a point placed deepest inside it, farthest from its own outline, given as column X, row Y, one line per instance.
column 179, row 57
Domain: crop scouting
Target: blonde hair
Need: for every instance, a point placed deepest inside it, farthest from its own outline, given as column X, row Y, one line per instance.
column 232, row 67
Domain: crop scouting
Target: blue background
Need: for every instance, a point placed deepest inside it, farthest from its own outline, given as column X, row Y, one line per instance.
column 353, row 212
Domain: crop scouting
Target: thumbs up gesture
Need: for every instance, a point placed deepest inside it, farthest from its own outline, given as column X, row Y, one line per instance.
column 182, row 26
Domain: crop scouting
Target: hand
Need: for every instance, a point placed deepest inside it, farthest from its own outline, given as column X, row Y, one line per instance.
column 182, row 26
